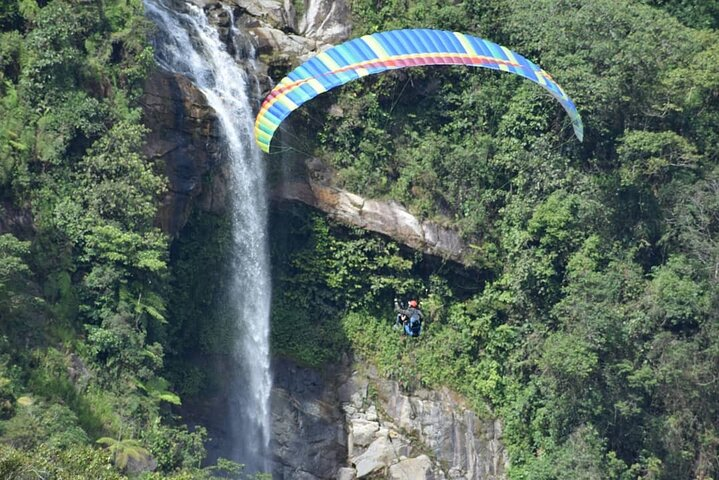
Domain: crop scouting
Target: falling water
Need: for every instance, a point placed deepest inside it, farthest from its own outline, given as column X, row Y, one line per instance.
column 187, row 44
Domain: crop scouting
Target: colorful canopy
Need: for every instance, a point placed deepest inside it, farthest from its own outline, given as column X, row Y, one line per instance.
column 392, row 50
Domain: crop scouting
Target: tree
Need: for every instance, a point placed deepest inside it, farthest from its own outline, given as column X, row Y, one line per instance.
column 122, row 450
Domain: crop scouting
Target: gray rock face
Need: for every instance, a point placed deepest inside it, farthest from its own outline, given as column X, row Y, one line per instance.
column 419, row 468
column 327, row 21
column 272, row 41
column 344, row 424
column 323, row 21
column 388, row 218
column 437, row 423
column 309, row 440
column 454, row 434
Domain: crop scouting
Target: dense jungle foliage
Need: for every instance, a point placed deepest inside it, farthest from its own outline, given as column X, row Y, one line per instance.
column 591, row 323
column 588, row 323
column 84, row 285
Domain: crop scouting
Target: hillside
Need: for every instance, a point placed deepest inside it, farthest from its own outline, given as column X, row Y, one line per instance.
column 585, row 316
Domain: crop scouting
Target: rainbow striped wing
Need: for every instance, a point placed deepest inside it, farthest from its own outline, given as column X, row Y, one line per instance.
column 391, row 50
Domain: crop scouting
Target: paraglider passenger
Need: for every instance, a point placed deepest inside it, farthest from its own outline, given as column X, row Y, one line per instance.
column 410, row 318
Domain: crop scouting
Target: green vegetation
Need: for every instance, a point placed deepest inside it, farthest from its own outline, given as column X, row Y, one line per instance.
column 591, row 325
column 83, row 291
column 589, row 322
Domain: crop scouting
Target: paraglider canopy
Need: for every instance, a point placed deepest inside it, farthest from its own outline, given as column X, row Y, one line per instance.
column 390, row 50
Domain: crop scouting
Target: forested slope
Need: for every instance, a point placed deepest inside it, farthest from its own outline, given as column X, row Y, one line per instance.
column 84, row 282
column 590, row 322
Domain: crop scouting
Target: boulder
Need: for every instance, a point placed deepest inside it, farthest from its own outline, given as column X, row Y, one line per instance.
column 363, row 432
column 419, row 468
column 377, row 457
column 346, row 473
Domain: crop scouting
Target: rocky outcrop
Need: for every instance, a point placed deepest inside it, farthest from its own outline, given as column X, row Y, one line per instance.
column 184, row 138
column 349, row 423
column 276, row 47
column 312, row 185
column 309, row 440
column 425, row 434
column 15, row 220
column 327, row 21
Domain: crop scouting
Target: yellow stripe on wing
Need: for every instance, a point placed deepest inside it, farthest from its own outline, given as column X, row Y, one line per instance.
column 465, row 43
column 376, row 47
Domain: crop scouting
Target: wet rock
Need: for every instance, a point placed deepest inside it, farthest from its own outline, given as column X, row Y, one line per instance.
column 309, row 440
column 184, row 139
column 221, row 18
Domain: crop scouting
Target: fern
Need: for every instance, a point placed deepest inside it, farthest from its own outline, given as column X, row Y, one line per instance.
column 123, row 450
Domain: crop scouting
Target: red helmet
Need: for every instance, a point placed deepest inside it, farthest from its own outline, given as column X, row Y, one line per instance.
column 413, row 303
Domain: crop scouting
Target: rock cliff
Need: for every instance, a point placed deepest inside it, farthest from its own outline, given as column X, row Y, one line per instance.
column 315, row 188
column 184, row 138
column 309, row 439
column 344, row 422
column 349, row 423
column 184, row 130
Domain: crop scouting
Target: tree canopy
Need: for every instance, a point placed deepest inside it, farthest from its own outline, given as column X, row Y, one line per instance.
column 588, row 321
column 590, row 327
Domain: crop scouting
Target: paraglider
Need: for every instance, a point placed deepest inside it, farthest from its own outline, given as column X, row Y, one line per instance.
column 409, row 319
column 390, row 50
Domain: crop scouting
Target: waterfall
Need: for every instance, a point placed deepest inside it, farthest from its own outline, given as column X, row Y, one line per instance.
column 188, row 45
